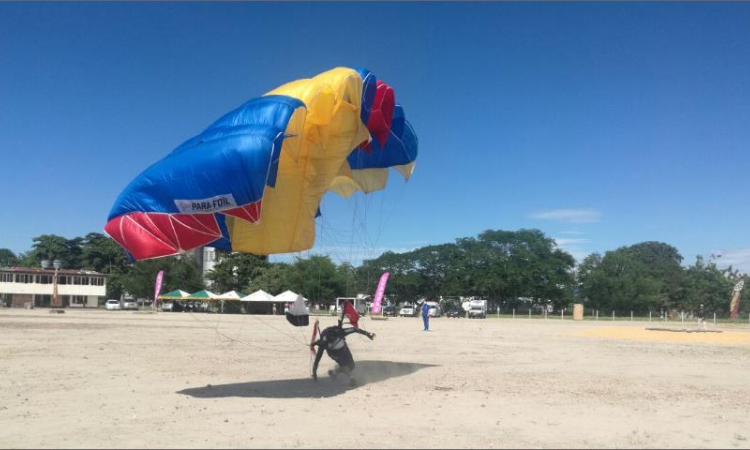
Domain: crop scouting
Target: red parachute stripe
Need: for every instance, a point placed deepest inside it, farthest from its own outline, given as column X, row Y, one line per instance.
column 129, row 232
column 381, row 115
column 200, row 223
column 248, row 212
column 164, row 223
column 190, row 237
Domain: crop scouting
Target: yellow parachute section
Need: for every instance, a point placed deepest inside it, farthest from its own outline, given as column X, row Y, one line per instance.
column 330, row 128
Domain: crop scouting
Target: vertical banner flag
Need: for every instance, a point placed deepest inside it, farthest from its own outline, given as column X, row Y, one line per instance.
column 157, row 285
column 734, row 306
column 379, row 293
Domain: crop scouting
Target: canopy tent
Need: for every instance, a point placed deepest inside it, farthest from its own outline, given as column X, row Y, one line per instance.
column 231, row 295
column 174, row 295
column 259, row 296
column 202, row 295
column 288, row 297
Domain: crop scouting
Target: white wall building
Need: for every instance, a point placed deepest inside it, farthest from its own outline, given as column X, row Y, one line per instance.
column 206, row 259
column 75, row 288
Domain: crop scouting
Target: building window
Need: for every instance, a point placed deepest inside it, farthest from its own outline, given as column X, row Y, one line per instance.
column 81, row 281
column 6, row 277
column 78, row 300
column 97, row 281
column 44, row 279
column 62, row 279
column 24, row 278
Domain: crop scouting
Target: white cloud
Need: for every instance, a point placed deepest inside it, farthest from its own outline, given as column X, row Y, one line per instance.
column 354, row 255
column 574, row 246
column 738, row 258
column 569, row 215
column 563, row 242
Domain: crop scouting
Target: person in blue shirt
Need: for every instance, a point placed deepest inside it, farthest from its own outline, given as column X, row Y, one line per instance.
column 426, row 316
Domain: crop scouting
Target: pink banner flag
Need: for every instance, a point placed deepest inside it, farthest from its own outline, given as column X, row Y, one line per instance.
column 157, row 286
column 379, row 293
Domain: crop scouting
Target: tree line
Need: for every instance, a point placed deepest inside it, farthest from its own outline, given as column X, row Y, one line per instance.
column 512, row 269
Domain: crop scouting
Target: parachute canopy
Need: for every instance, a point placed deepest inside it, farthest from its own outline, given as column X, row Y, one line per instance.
column 253, row 181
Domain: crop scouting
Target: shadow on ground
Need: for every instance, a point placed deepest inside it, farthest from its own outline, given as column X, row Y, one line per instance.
column 366, row 372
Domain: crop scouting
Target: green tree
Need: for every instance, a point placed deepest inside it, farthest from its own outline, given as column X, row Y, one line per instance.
column 179, row 273
column 709, row 286
column 316, row 278
column 51, row 247
column 274, row 279
column 235, row 271
column 625, row 284
column 663, row 263
column 102, row 254
column 500, row 265
column 525, row 263
column 7, row 258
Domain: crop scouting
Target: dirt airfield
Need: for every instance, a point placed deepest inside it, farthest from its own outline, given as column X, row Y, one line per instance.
column 119, row 379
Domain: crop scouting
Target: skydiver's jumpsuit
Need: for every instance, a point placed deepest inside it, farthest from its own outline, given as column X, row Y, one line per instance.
column 333, row 341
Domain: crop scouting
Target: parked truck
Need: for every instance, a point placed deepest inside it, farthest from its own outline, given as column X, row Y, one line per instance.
column 477, row 309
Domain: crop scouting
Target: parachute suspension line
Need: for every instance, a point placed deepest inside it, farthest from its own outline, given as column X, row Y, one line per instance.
column 219, row 334
column 289, row 335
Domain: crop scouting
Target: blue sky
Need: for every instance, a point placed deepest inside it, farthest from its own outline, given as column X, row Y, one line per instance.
column 601, row 124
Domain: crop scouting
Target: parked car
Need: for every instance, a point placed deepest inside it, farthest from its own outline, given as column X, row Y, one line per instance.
column 166, row 306
column 407, row 310
column 389, row 311
column 455, row 312
column 130, row 303
column 435, row 309
column 112, row 304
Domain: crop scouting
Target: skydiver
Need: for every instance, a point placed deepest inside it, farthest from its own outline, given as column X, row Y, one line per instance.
column 333, row 341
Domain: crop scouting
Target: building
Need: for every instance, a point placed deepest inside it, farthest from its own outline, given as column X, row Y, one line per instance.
column 206, row 259
column 75, row 288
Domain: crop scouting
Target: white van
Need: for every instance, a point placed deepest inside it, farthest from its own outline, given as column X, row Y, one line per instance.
column 478, row 309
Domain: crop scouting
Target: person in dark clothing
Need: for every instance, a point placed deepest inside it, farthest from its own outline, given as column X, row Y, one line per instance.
column 701, row 318
column 333, row 341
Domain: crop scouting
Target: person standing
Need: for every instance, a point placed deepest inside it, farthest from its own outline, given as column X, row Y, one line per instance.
column 426, row 315
column 701, row 318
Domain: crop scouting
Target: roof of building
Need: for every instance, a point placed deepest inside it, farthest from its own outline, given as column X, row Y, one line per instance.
column 39, row 270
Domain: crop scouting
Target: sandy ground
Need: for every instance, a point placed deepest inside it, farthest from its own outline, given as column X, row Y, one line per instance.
column 123, row 379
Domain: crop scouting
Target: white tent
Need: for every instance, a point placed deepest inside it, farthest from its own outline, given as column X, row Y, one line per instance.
column 259, row 296
column 288, row 297
column 231, row 295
